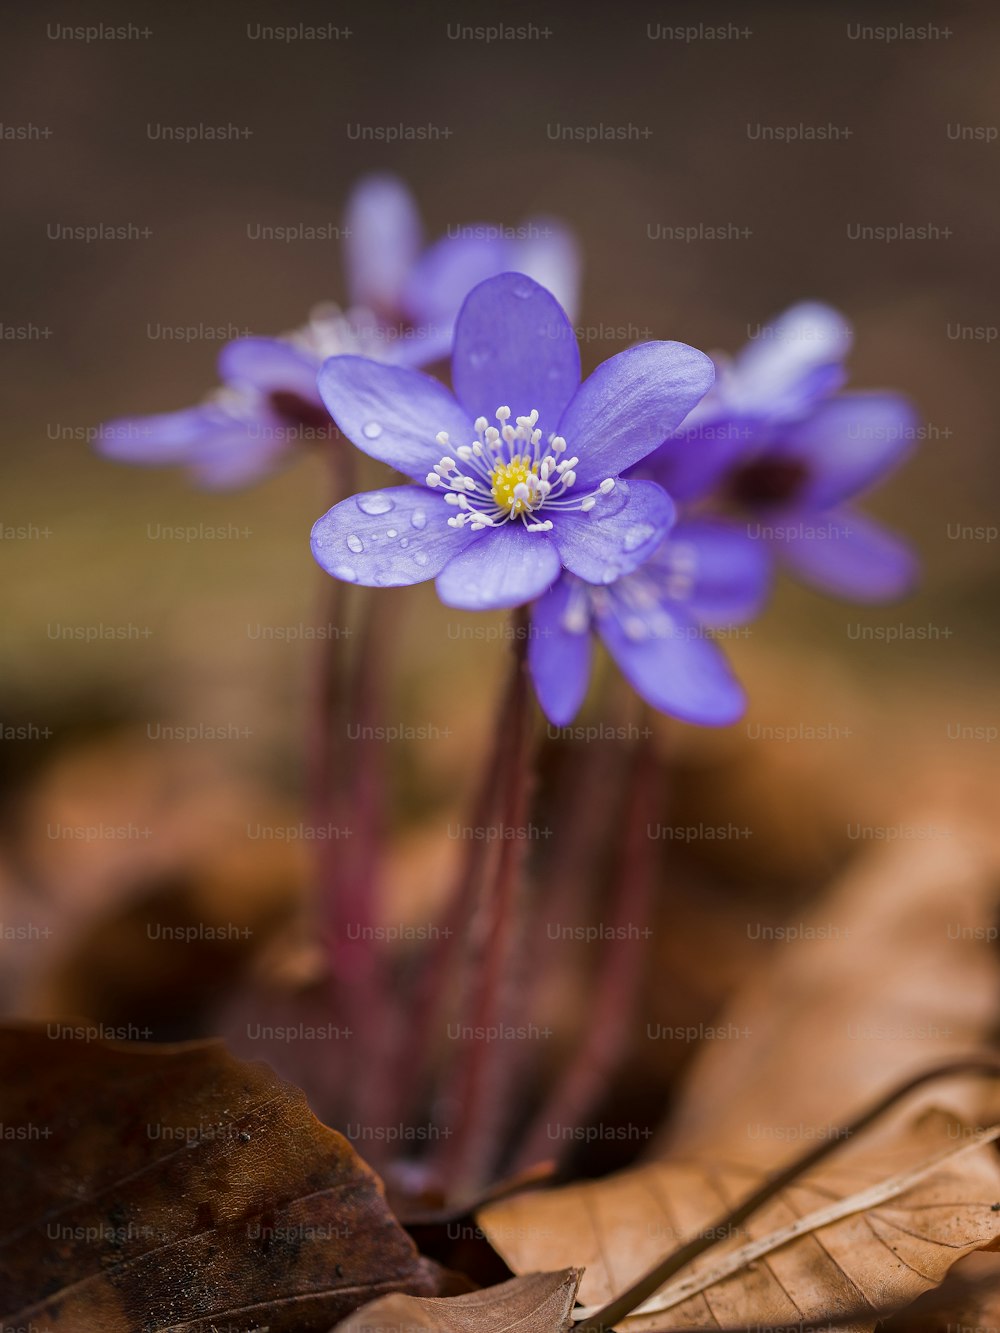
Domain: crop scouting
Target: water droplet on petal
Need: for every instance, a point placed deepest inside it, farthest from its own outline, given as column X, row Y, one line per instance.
column 404, row 542
column 637, row 536
column 479, row 354
column 523, row 289
column 345, row 572
column 421, row 557
column 419, row 519
column 355, row 544
column 391, row 532
column 371, row 430
column 377, row 502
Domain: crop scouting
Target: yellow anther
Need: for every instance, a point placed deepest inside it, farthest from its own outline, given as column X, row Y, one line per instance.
column 505, row 479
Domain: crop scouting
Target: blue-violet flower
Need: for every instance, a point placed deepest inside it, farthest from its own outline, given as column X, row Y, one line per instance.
column 518, row 471
column 404, row 301
column 659, row 623
column 775, row 440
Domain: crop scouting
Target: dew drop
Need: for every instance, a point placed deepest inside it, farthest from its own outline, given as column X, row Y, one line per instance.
column 421, row 557
column 418, row 519
column 391, row 532
column 637, row 536
column 375, row 503
column 346, row 572
column 355, row 544
column 479, row 354
column 404, row 542
column 522, row 289
column 371, row 430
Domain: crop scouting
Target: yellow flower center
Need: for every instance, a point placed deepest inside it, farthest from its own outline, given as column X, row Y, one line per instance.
column 505, row 479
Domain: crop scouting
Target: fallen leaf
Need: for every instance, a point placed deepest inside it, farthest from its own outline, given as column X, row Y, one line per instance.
column 893, row 970
column 968, row 1303
column 534, row 1303
column 175, row 1187
column 892, row 1249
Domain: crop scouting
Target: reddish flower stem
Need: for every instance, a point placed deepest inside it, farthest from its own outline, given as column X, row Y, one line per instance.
column 616, row 988
column 325, row 726
column 481, row 1087
column 438, row 968
column 358, row 958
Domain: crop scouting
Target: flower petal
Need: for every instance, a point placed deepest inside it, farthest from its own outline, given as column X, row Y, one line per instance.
column 162, row 439
column 630, row 404
column 392, row 413
column 383, row 242
column 514, row 347
column 730, row 574
column 506, row 566
column 559, row 657
column 621, row 531
column 548, row 252
column 425, row 346
column 448, row 270
column 674, row 665
column 269, row 365
column 789, row 364
column 848, row 442
column 696, row 458
column 229, row 459
column 842, row 553
column 388, row 539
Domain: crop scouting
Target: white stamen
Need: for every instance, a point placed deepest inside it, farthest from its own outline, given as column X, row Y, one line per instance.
column 507, row 473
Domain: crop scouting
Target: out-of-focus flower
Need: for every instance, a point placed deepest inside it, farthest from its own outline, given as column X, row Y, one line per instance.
column 415, row 293
column 775, row 442
column 404, row 303
column 500, row 510
column 267, row 407
column 660, row 624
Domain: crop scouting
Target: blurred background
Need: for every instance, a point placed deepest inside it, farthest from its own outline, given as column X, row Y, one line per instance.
column 114, row 629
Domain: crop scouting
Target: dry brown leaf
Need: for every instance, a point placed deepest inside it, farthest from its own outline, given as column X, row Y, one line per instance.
column 175, row 1187
column 534, row 1303
column 622, row 1226
column 972, row 1304
column 894, row 970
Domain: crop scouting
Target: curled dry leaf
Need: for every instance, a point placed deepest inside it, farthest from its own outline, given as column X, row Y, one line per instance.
column 894, row 970
column 864, row 1245
column 175, row 1187
column 533, row 1303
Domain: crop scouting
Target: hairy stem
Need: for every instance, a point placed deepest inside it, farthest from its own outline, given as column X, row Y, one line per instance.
column 616, row 989
column 480, row 1091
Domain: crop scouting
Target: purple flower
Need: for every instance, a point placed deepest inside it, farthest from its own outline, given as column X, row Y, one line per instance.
column 775, row 441
column 657, row 624
column 416, row 293
column 500, row 509
column 404, row 305
column 267, row 406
